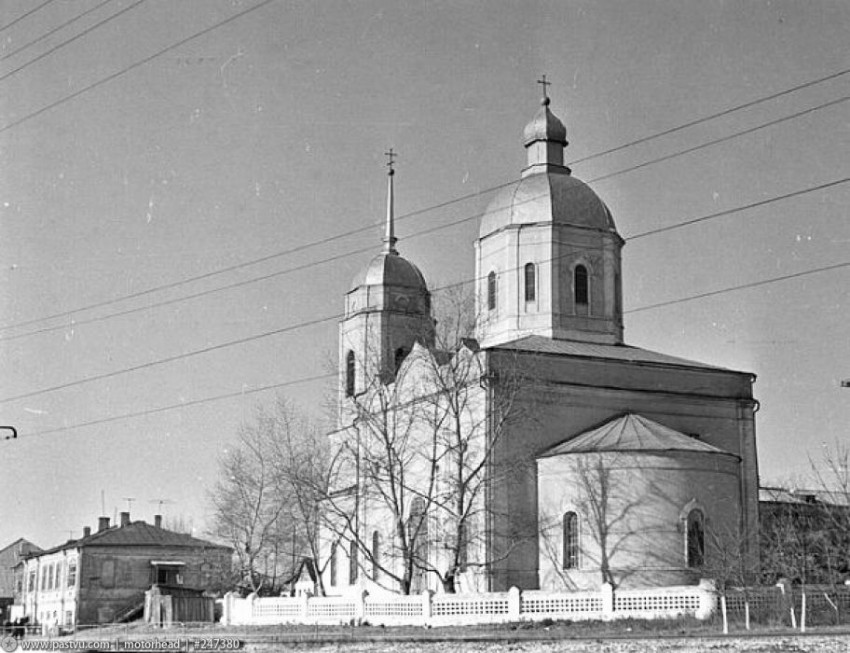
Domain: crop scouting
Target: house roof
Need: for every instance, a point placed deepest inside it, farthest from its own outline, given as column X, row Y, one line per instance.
column 22, row 544
column 137, row 533
column 634, row 433
column 625, row 353
column 803, row 496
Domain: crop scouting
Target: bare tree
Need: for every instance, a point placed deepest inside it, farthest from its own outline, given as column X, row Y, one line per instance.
column 417, row 454
column 260, row 505
column 379, row 468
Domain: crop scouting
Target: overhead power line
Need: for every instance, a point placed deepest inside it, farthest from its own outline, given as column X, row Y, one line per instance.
column 29, row 13
column 720, row 140
column 754, row 284
column 338, row 316
column 371, row 248
column 245, row 264
column 131, row 67
column 713, row 116
column 70, row 40
column 39, row 39
column 185, row 404
column 310, row 379
column 400, row 218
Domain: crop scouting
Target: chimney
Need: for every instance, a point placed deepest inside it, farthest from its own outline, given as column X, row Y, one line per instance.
column 102, row 523
column 125, row 519
column 86, row 531
column 157, row 521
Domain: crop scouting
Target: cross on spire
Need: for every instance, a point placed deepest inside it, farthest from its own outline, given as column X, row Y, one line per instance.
column 389, row 237
column 390, row 161
column 544, row 84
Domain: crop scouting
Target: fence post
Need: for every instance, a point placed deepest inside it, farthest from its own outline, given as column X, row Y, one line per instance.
column 514, row 604
column 426, row 607
column 607, row 600
column 360, row 606
column 707, row 590
column 305, row 608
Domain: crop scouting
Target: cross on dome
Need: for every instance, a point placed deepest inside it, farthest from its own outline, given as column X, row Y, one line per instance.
column 390, row 161
column 544, row 84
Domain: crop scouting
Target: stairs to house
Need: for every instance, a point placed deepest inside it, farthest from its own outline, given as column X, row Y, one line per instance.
column 132, row 612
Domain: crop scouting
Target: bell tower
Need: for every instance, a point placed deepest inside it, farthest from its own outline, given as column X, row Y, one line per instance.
column 548, row 257
column 387, row 311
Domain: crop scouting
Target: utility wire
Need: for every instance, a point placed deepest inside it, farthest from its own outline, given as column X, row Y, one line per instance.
column 171, row 359
column 744, row 286
column 70, row 40
column 131, row 67
column 712, row 216
column 712, row 116
column 720, row 140
column 29, row 13
column 53, row 31
column 319, row 377
column 360, row 229
column 245, row 264
column 371, row 248
column 185, row 404
column 329, row 318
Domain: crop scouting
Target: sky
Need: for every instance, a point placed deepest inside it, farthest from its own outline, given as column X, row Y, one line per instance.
column 170, row 178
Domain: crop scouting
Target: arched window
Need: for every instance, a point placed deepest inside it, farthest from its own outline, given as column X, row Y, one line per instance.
column 352, row 562
column 530, row 282
column 334, row 554
column 491, row 291
column 376, row 554
column 400, row 355
column 349, row 374
column 696, row 539
column 570, row 540
column 581, row 289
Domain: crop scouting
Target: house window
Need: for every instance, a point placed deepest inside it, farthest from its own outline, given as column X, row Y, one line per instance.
column 570, row 536
column 57, row 578
column 530, row 282
column 334, row 554
column 376, row 554
column 72, row 573
column 349, row 374
column 31, row 582
column 491, row 291
column 696, row 539
column 352, row 562
column 581, row 289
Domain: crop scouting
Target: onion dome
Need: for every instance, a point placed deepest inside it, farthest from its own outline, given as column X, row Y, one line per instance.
column 545, row 126
column 546, row 193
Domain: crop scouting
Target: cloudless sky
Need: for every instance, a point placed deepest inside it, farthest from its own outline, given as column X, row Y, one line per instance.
column 268, row 133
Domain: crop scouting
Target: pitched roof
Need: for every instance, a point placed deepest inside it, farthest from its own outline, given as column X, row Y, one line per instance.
column 137, row 533
column 631, row 432
column 626, row 353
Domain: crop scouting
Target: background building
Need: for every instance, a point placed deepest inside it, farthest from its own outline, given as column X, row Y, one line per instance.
column 10, row 584
column 102, row 577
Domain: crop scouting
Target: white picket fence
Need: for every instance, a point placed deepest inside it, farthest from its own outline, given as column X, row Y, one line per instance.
column 467, row 609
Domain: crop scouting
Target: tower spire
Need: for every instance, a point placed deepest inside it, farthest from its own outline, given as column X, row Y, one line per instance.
column 389, row 238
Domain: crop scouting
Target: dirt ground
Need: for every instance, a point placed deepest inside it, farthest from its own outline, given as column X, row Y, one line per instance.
column 760, row 644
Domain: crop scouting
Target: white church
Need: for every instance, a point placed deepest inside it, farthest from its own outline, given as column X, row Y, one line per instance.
column 539, row 450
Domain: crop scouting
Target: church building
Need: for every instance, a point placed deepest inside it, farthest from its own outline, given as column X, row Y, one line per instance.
column 542, row 452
